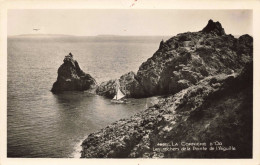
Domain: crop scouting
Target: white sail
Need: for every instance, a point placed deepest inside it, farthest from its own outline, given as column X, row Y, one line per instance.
column 115, row 97
column 119, row 95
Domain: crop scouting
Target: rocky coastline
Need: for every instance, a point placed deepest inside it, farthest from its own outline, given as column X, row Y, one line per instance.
column 184, row 60
column 217, row 108
column 206, row 78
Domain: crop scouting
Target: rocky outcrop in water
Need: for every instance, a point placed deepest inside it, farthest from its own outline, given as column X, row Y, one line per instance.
column 128, row 85
column 71, row 77
column 187, row 58
column 216, row 109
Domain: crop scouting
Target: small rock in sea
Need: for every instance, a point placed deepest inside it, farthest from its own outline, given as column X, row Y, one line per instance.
column 72, row 78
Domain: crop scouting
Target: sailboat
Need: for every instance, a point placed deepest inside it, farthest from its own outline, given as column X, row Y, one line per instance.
column 118, row 97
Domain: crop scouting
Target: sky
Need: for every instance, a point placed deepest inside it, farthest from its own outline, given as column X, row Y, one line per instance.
column 151, row 22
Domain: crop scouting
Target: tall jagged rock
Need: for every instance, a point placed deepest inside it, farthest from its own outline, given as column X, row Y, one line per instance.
column 185, row 59
column 215, row 28
column 71, row 77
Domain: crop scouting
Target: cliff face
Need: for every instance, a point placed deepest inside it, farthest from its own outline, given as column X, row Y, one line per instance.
column 187, row 58
column 216, row 109
column 71, row 77
column 207, row 77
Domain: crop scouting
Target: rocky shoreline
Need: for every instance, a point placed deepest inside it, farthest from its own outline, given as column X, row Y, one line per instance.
column 204, row 112
column 184, row 60
column 206, row 78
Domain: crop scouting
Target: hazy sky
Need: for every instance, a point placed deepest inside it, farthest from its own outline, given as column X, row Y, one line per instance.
column 125, row 22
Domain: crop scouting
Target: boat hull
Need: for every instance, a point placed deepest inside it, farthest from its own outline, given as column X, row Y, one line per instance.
column 118, row 101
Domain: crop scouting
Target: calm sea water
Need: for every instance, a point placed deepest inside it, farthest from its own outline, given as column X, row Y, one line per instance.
column 41, row 124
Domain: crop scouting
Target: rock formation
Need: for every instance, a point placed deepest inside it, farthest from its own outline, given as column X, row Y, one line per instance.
column 217, row 108
column 215, row 28
column 207, row 78
column 71, row 77
column 128, row 85
column 187, row 58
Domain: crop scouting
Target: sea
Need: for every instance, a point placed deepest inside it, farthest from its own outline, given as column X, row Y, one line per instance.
column 41, row 124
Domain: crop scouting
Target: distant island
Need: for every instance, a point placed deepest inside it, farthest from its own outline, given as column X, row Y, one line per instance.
column 66, row 35
column 40, row 35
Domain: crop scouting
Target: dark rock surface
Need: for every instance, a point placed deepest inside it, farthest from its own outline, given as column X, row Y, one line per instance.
column 71, row 77
column 185, row 59
column 207, row 77
column 107, row 88
column 217, row 108
column 214, row 27
column 128, row 85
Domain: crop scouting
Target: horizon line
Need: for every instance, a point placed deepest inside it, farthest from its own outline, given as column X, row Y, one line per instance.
column 86, row 35
column 97, row 35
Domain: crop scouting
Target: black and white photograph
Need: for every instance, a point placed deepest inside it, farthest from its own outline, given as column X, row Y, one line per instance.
column 130, row 83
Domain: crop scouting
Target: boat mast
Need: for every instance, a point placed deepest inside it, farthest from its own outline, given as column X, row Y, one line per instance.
column 116, row 92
